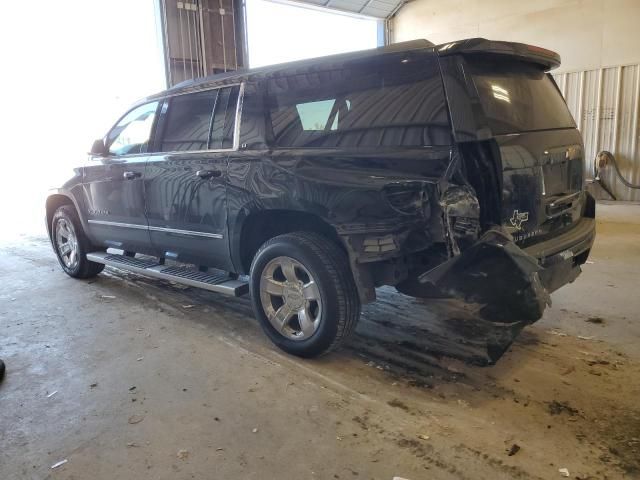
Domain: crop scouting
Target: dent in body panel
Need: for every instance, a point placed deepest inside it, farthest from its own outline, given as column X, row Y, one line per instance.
column 360, row 195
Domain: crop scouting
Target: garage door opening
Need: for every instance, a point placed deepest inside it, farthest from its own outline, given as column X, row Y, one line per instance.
column 82, row 77
column 282, row 32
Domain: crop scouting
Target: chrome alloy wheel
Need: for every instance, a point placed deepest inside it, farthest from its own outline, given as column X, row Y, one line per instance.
column 290, row 298
column 67, row 243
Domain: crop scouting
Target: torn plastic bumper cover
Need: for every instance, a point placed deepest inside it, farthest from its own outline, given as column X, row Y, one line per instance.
column 496, row 273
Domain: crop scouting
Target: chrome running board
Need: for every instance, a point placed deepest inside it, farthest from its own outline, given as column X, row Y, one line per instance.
column 214, row 282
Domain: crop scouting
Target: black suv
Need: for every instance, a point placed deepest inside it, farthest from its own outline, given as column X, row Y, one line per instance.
column 447, row 171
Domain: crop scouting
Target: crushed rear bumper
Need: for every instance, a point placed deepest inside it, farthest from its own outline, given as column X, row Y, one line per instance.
column 561, row 257
column 511, row 283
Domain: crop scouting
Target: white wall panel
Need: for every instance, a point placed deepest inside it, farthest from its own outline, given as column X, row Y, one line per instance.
column 588, row 34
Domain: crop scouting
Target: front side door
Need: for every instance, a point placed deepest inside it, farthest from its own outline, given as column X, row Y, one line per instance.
column 113, row 184
column 185, row 179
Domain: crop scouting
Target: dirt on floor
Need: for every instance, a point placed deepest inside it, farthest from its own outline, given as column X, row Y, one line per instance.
column 128, row 377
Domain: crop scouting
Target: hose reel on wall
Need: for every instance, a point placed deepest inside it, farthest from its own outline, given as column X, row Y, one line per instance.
column 603, row 160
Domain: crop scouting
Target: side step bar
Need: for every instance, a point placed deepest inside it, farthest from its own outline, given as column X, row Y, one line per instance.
column 219, row 283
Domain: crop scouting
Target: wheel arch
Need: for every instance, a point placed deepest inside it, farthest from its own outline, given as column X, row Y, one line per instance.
column 259, row 226
column 53, row 202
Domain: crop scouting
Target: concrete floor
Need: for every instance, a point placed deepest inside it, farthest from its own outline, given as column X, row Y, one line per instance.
column 127, row 377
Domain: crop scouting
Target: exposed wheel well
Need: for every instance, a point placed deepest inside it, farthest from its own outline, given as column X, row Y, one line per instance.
column 53, row 203
column 261, row 226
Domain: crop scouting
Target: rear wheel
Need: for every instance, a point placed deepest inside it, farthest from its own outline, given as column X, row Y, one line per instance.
column 71, row 244
column 303, row 293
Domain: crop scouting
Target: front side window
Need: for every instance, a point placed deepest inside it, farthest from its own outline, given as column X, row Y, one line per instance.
column 131, row 134
column 200, row 121
column 392, row 103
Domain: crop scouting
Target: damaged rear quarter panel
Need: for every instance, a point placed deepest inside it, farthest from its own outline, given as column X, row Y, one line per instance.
column 349, row 191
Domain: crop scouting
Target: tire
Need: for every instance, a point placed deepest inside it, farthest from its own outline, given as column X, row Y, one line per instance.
column 66, row 225
column 332, row 305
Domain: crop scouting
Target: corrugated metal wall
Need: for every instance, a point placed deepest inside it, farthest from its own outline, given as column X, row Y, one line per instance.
column 606, row 106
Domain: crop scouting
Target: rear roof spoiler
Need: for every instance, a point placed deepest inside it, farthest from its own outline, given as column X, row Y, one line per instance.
column 530, row 53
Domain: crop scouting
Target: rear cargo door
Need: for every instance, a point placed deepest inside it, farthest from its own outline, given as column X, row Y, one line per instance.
column 516, row 106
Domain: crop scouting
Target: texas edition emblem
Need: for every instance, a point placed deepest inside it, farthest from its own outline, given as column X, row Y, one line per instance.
column 518, row 218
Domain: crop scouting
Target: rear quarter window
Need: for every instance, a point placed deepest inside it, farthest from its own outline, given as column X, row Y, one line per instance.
column 392, row 102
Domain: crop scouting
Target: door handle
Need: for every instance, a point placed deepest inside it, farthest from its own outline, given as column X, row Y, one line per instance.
column 204, row 174
column 131, row 175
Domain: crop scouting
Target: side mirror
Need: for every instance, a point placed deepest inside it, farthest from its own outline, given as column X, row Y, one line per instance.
column 99, row 148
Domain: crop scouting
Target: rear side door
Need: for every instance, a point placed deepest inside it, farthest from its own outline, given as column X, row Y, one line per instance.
column 185, row 179
column 113, row 185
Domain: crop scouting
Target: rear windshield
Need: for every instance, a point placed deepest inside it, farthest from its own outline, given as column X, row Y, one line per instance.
column 396, row 102
column 517, row 96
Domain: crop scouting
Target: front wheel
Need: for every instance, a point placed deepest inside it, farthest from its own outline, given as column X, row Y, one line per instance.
column 71, row 244
column 303, row 293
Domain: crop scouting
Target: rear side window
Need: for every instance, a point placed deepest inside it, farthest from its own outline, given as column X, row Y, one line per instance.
column 200, row 121
column 398, row 102
column 188, row 122
column 517, row 96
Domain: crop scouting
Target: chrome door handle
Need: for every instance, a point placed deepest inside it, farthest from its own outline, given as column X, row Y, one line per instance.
column 131, row 175
column 204, row 174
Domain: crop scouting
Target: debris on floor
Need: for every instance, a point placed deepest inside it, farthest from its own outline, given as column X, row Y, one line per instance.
column 556, row 332
column 255, row 430
column 59, row 464
column 183, row 454
column 564, row 472
column 423, row 437
column 556, row 408
column 52, row 394
column 515, row 448
column 596, row 320
column 133, row 419
column 597, row 361
column 398, row 404
column 107, row 297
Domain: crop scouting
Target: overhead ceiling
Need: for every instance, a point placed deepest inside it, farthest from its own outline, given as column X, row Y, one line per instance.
column 371, row 8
